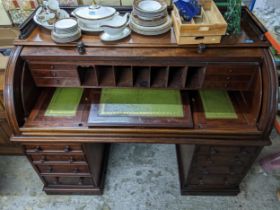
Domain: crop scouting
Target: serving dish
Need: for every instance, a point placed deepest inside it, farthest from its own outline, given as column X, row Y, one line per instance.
column 94, row 15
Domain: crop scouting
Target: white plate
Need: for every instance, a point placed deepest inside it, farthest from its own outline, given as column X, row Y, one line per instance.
column 107, row 38
column 151, row 33
column 163, row 26
column 149, row 5
column 71, row 38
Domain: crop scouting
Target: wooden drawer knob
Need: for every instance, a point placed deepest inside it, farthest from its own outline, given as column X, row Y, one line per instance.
column 201, row 182
column 50, row 169
column 43, row 159
column 67, row 149
column 56, row 180
column 213, row 151
column 52, row 66
column 71, row 160
column 38, row 149
column 76, row 170
column 80, row 181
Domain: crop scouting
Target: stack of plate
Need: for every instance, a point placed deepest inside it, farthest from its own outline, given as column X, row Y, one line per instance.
column 66, row 30
column 150, row 17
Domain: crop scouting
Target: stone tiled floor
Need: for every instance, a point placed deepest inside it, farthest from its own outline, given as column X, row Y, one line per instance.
column 140, row 177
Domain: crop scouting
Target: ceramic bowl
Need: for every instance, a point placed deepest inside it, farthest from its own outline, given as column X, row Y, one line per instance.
column 64, row 26
column 150, row 6
column 148, row 23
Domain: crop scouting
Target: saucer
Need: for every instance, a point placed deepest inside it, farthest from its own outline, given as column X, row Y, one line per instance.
column 107, row 38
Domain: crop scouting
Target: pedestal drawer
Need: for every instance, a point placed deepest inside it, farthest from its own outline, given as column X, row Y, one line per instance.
column 68, row 181
column 67, row 158
column 71, row 169
column 55, row 148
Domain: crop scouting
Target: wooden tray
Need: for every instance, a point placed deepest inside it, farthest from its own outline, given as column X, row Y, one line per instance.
column 207, row 29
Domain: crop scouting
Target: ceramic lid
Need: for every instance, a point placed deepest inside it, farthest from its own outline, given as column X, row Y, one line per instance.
column 94, row 12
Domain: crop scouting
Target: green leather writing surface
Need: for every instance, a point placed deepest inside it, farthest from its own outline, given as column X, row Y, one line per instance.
column 141, row 102
column 217, row 104
column 64, row 102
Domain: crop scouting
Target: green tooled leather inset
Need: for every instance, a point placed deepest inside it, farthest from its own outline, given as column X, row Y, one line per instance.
column 64, row 102
column 217, row 104
column 141, row 102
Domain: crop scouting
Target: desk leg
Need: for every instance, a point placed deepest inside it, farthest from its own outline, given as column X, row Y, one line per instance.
column 68, row 169
column 213, row 170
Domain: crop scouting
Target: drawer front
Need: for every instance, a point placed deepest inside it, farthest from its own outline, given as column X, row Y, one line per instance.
column 231, row 69
column 217, row 170
column 57, row 81
column 48, row 73
column 72, row 169
column 51, row 66
column 71, row 181
column 214, row 150
column 227, row 85
column 214, row 180
column 49, row 148
column 69, row 158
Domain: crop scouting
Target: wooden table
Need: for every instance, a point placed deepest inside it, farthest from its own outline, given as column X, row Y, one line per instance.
column 213, row 155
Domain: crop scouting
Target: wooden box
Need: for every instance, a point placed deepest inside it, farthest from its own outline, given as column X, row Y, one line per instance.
column 207, row 29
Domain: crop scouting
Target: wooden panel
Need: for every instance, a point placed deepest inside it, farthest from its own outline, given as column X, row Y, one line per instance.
column 124, row 76
column 177, row 76
column 51, row 66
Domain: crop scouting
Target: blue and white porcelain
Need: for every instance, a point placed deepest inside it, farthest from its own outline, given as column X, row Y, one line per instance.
column 188, row 9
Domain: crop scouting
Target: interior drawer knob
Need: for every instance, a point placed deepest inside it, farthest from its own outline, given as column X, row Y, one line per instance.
column 52, row 66
column 76, row 170
column 201, row 48
column 67, row 149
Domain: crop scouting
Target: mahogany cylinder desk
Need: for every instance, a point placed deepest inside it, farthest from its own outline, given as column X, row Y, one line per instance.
column 70, row 155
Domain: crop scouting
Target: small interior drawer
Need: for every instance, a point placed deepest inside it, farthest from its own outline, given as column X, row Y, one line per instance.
column 226, row 85
column 51, row 66
column 67, row 158
column 231, row 69
column 68, row 180
column 61, row 148
column 51, row 73
column 57, row 81
column 72, row 169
